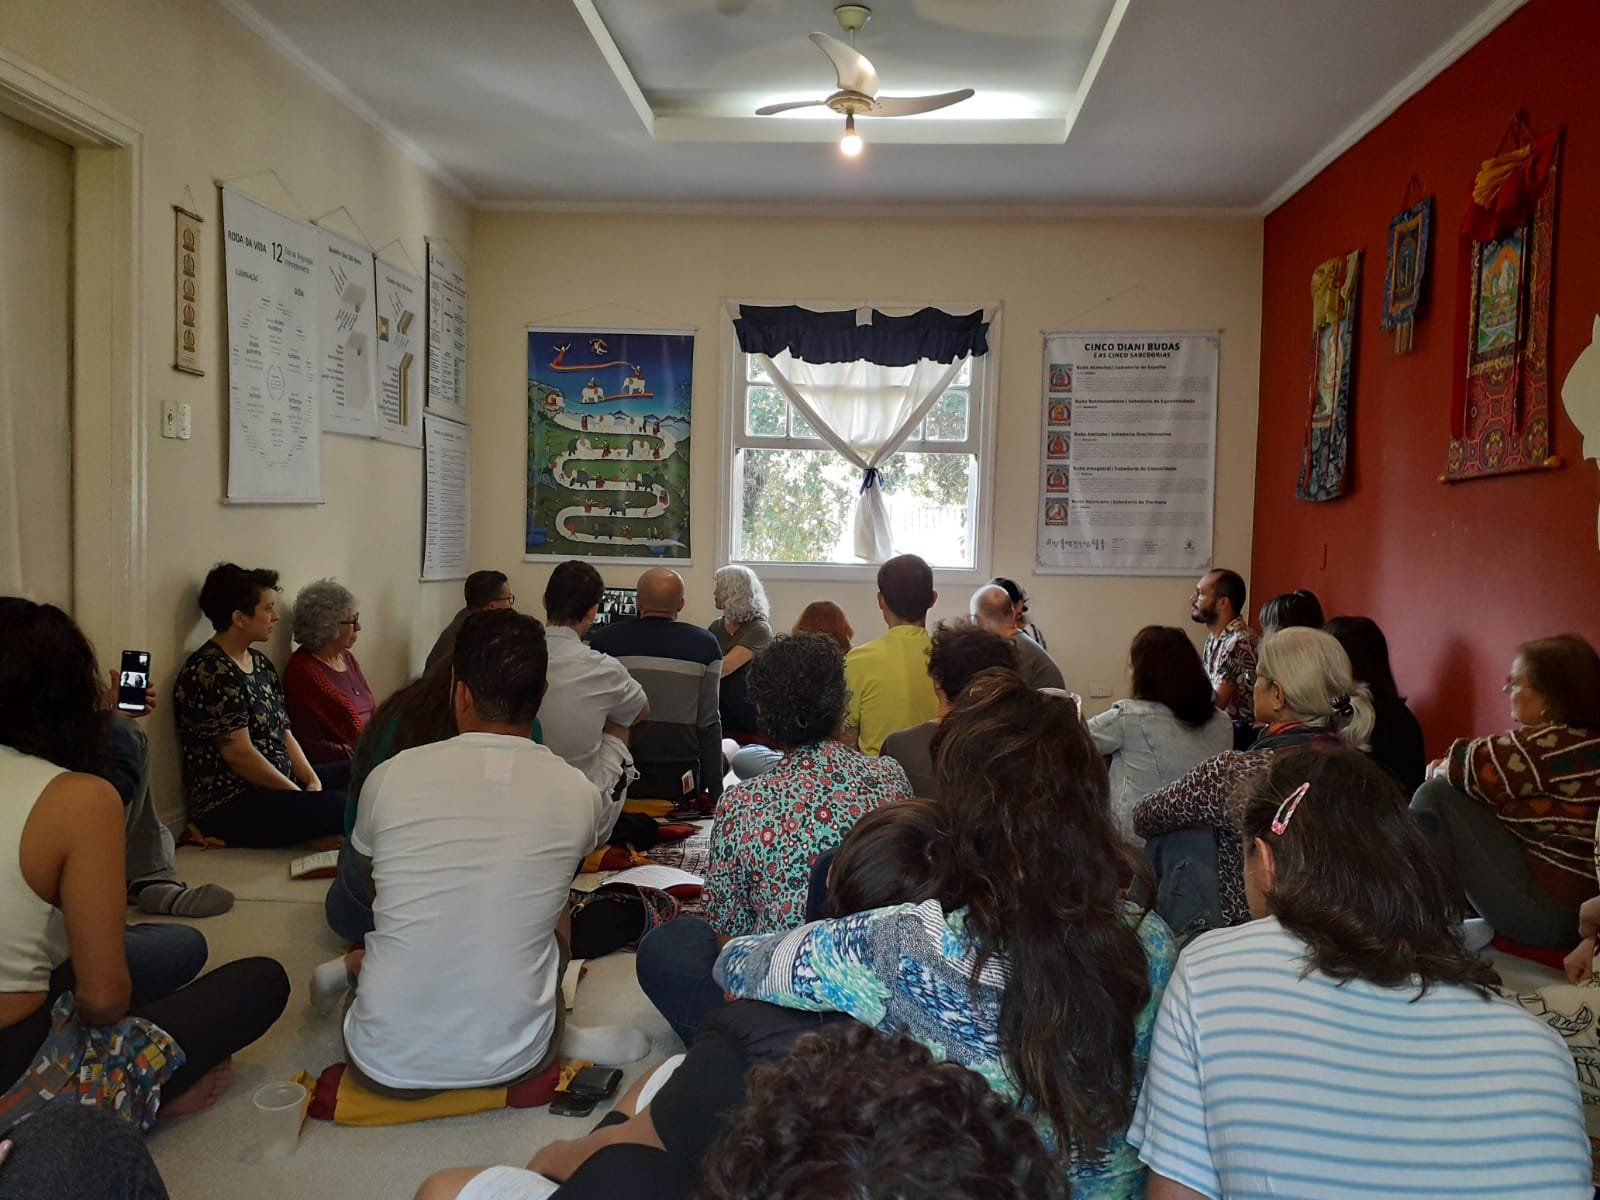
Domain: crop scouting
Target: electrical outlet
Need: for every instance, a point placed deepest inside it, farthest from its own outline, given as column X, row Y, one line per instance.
column 1099, row 691
column 185, row 422
column 169, row 419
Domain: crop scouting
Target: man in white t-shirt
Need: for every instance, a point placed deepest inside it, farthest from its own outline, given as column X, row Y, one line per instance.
column 472, row 843
column 592, row 699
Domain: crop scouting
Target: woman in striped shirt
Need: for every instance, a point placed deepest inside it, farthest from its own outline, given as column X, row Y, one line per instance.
column 1346, row 1043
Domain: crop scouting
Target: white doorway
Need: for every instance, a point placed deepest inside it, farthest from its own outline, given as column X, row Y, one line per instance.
column 109, row 456
column 36, row 339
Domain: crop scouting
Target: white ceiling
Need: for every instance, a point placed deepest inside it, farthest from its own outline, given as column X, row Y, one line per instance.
column 1209, row 104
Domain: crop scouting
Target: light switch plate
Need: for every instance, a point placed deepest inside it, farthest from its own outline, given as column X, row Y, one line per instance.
column 169, row 419
column 1099, row 691
column 185, row 421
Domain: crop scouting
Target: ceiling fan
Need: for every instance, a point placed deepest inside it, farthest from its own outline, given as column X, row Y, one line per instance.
column 858, row 84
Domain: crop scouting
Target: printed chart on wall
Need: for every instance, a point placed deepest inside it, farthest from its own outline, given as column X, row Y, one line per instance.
column 399, row 395
column 446, row 523
column 274, row 355
column 349, row 372
column 447, row 332
column 608, row 444
column 1129, row 453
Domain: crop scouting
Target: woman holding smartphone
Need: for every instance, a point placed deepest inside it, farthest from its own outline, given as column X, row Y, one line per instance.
column 68, row 1003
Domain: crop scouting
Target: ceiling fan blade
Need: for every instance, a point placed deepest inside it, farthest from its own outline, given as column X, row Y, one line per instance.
column 769, row 109
column 855, row 70
column 909, row 106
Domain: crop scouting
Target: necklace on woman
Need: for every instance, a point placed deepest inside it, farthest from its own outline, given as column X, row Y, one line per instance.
column 336, row 663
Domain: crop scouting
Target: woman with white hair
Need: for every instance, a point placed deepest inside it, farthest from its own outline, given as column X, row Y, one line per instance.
column 324, row 690
column 1307, row 695
column 742, row 631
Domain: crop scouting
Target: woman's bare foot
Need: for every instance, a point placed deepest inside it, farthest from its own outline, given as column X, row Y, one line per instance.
column 205, row 1092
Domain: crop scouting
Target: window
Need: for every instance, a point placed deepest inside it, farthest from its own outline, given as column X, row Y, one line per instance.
column 791, row 498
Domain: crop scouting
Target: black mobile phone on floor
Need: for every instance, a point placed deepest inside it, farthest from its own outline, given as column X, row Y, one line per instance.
column 133, row 680
column 597, row 1083
column 568, row 1105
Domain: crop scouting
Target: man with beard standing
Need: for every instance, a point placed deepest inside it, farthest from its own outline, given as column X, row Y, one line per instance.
column 1230, row 649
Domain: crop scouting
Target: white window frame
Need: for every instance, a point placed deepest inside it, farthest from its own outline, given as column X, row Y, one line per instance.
column 982, row 413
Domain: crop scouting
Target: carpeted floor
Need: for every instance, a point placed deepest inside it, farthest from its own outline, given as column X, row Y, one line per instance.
column 214, row 1155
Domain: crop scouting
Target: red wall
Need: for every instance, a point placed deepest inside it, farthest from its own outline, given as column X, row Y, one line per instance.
column 1456, row 575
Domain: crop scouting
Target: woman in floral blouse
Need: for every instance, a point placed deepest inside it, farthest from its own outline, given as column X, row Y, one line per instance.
column 246, row 779
column 770, row 830
column 1031, row 968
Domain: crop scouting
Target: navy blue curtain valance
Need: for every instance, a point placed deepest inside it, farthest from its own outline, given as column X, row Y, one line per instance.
column 829, row 337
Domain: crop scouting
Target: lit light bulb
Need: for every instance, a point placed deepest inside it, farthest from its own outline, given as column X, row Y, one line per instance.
column 850, row 143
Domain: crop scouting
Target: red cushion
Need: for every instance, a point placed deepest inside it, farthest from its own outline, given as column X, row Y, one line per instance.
column 325, row 1097
column 535, row 1092
column 1548, row 958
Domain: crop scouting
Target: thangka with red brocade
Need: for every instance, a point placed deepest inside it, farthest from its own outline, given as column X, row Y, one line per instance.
column 1500, row 409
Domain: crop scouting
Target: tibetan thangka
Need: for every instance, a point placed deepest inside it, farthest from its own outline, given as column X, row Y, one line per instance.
column 1499, row 418
column 1323, row 465
column 1402, row 279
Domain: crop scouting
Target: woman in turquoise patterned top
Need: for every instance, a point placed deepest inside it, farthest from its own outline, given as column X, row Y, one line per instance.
column 1033, row 969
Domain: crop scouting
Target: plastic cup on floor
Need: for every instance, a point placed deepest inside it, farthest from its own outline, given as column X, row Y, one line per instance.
column 280, row 1108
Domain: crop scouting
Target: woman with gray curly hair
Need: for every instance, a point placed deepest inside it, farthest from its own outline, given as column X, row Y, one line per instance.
column 327, row 696
column 743, row 632
column 769, row 830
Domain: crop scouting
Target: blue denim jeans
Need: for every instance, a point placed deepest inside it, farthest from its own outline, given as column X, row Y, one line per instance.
column 348, row 906
column 674, row 963
column 162, row 958
column 1187, row 896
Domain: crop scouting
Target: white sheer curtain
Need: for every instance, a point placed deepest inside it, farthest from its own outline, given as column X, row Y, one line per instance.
column 865, row 412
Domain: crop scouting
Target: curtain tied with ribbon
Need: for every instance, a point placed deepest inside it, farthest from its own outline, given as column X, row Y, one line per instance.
column 864, row 380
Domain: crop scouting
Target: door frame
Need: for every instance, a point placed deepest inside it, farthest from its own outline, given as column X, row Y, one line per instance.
column 110, row 425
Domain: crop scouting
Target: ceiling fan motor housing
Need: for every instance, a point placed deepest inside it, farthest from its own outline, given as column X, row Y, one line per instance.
column 847, row 103
column 852, row 17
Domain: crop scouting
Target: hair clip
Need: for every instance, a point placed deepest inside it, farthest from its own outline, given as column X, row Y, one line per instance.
column 1280, row 823
column 1342, row 706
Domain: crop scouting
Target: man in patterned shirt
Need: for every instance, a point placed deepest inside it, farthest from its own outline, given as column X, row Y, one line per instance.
column 1230, row 650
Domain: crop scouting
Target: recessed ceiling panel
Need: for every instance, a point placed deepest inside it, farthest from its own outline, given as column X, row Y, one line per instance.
column 704, row 66
column 1200, row 105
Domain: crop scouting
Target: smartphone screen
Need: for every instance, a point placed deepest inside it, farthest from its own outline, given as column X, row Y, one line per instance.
column 133, row 680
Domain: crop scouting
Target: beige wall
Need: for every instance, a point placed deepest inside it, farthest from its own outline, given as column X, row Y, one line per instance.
column 213, row 101
column 640, row 271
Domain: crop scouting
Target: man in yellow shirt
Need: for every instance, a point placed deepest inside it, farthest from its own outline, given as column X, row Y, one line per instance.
column 888, row 677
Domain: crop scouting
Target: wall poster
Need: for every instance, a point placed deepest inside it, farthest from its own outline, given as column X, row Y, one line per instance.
column 349, row 376
column 608, row 444
column 1128, row 453
column 447, row 332
column 274, row 355
column 399, row 332
column 447, row 516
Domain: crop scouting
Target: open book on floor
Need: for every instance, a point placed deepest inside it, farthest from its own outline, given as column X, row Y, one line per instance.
column 322, row 865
